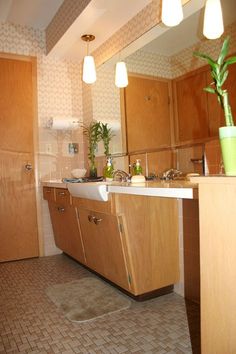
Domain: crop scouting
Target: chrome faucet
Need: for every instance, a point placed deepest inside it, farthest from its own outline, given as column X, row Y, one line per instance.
column 170, row 174
column 121, row 176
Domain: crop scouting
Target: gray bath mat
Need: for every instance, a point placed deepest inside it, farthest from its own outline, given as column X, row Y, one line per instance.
column 86, row 299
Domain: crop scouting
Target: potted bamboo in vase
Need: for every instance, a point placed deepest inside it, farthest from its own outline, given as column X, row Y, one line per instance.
column 93, row 134
column 106, row 136
column 227, row 134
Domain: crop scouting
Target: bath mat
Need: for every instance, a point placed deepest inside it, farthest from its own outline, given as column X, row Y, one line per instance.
column 86, row 299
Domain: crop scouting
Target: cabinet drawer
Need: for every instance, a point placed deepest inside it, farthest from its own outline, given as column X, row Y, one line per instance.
column 48, row 193
column 62, row 195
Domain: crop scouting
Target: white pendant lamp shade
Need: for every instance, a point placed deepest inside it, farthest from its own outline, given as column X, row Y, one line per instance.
column 172, row 12
column 213, row 26
column 121, row 77
column 89, row 70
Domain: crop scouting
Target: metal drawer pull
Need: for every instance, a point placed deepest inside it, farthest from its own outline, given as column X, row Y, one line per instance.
column 61, row 209
column 91, row 218
column 97, row 221
column 48, row 191
column 61, row 193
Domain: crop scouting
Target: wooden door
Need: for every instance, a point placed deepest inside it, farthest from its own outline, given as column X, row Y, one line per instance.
column 147, row 106
column 191, row 106
column 66, row 230
column 18, row 220
column 103, row 246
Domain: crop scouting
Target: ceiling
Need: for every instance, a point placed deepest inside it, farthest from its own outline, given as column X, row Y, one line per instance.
column 32, row 13
column 189, row 31
column 104, row 17
column 101, row 18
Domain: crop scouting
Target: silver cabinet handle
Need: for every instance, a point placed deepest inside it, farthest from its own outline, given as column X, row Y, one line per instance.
column 61, row 209
column 91, row 218
column 28, row 166
column 61, row 193
column 97, row 221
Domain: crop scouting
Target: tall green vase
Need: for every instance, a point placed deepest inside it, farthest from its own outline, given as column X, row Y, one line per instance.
column 228, row 149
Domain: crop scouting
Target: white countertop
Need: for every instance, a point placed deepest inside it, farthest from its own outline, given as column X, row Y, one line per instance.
column 171, row 189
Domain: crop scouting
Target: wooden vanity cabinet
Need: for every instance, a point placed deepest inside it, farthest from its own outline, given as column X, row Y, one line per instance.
column 130, row 240
column 103, row 246
column 64, row 220
column 150, row 238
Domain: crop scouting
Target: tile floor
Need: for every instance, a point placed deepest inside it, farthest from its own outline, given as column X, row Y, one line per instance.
column 31, row 323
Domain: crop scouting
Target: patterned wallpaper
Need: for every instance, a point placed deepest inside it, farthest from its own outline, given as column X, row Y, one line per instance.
column 184, row 61
column 147, row 63
column 133, row 29
column 106, row 106
column 59, row 91
column 64, row 18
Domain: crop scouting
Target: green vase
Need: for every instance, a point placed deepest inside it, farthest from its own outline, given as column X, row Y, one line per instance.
column 228, row 149
column 93, row 171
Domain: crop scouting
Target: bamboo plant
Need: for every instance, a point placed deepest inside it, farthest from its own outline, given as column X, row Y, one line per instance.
column 219, row 73
column 106, row 136
column 93, row 134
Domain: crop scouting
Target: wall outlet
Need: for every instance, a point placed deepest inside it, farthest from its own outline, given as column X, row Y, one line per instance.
column 73, row 148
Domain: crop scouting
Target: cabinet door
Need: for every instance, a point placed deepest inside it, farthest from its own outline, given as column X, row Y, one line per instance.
column 191, row 106
column 103, row 246
column 66, row 230
column 147, row 113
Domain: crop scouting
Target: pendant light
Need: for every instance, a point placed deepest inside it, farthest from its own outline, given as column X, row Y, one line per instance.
column 172, row 12
column 213, row 26
column 89, row 70
column 121, row 76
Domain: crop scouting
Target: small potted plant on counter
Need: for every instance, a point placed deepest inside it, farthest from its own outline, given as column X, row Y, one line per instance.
column 227, row 134
column 93, row 134
column 106, row 136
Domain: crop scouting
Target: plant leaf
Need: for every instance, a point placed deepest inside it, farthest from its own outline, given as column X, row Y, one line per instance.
column 209, row 90
column 224, row 51
column 211, row 61
column 231, row 60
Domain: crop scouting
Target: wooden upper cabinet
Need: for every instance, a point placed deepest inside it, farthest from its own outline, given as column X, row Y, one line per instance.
column 191, row 106
column 147, row 109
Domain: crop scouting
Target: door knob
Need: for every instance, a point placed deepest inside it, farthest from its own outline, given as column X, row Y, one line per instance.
column 28, row 166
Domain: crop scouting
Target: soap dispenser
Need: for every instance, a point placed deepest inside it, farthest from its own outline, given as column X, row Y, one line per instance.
column 137, row 168
column 137, row 173
column 108, row 170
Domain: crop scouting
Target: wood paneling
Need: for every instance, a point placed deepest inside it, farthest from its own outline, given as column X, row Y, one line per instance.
column 218, row 264
column 18, row 221
column 147, row 106
column 191, row 106
column 151, row 240
column 103, row 207
column 161, row 161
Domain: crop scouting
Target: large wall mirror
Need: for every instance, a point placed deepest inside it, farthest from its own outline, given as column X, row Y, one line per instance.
column 162, row 52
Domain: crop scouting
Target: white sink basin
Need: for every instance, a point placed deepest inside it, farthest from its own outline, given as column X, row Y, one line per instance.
column 89, row 190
